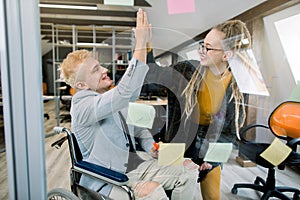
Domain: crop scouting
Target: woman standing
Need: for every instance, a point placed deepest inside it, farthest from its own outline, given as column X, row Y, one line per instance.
column 213, row 100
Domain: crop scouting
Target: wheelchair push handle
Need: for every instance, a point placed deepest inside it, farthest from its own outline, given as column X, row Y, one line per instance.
column 57, row 144
column 58, row 129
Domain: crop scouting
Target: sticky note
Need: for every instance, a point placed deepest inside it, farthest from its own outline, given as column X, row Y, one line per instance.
column 180, row 6
column 119, row 2
column 218, row 152
column 277, row 152
column 171, row 153
column 141, row 115
column 245, row 68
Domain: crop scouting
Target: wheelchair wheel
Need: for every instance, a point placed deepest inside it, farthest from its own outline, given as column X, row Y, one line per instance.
column 61, row 194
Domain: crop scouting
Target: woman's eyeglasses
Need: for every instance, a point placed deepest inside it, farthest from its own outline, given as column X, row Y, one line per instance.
column 203, row 49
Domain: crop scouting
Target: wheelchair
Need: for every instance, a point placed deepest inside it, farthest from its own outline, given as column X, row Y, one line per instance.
column 79, row 167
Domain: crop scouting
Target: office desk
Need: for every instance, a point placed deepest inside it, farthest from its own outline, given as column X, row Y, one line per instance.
column 158, row 102
column 48, row 98
column 163, row 102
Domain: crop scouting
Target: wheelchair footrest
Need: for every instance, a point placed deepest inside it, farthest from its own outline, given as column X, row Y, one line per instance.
column 108, row 174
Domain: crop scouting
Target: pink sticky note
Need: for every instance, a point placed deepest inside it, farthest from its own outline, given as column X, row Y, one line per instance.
column 180, row 6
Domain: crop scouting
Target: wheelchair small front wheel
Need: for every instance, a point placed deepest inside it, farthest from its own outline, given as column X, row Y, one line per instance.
column 61, row 194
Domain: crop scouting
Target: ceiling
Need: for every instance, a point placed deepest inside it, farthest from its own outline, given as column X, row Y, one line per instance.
column 169, row 31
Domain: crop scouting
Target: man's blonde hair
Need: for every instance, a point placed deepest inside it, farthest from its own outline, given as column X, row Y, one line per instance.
column 71, row 65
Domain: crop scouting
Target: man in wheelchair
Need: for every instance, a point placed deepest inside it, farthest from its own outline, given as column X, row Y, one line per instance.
column 103, row 136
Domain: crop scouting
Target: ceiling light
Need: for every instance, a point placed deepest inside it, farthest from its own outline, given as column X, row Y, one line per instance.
column 91, row 44
column 68, row 6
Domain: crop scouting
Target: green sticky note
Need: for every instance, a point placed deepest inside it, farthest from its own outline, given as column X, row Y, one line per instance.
column 218, row 152
column 141, row 115
column 119, row 2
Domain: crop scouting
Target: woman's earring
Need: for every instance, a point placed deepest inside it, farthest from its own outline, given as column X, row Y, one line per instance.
column 228, row 55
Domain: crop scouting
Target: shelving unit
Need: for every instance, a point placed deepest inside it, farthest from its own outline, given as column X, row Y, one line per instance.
column 112, row 46
column 106, row 42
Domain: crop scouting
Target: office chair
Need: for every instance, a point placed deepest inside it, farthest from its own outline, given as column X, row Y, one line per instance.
column 284, row 123
column 65, row 97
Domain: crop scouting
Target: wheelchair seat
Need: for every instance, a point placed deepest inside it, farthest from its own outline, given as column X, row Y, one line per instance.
column 79, row 167
column 110, row 175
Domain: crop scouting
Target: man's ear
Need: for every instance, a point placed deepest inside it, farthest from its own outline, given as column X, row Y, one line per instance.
column 227, row 55
column 81, row 85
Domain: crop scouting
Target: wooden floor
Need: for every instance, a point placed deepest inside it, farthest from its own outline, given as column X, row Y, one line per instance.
column 58, row 164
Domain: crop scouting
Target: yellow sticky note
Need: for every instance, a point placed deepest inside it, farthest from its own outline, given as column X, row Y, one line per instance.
column 171, row 153
column 141, row 115
column 218, row 152
column 277, row 152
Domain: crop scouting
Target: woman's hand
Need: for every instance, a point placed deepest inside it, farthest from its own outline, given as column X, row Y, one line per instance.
column 205, row 166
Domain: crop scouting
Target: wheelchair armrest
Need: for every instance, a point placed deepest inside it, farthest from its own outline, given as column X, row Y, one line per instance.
column 102, row 173
column 293, row 143
column 248, row 127
column 57, row 144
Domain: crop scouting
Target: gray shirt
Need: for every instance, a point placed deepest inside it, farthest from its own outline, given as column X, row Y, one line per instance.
column 97, row 126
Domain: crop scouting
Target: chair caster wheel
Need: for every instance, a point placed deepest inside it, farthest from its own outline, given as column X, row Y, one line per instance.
column 234, row 191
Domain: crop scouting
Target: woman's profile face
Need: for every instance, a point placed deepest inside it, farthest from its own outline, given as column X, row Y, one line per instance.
column 213, row 55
